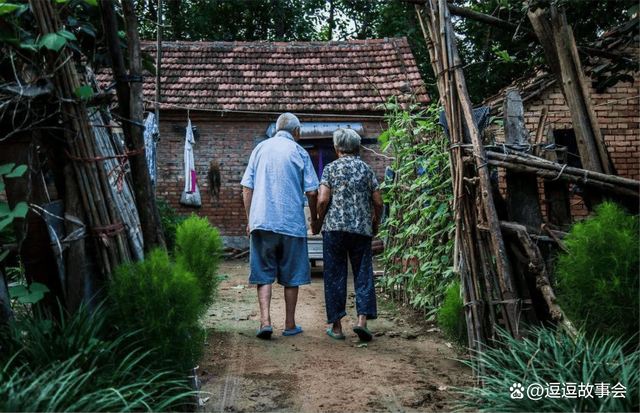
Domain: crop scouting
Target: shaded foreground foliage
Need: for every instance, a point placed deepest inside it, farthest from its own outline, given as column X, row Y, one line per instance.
column 132, row 352
column 552, row 358
column 74, row 364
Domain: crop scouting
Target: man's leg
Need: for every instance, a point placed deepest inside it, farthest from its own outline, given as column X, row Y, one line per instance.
column 290, row 301
column 264, row 300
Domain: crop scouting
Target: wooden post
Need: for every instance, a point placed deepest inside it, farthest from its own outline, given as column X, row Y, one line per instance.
column 557, row 41
column 556, row 194
column 523, row 201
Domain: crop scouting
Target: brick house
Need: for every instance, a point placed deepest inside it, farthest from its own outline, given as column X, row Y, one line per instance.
column 234, row 92
column 618, row 112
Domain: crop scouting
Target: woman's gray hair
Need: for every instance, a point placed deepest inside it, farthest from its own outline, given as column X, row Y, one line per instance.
column 346, row 140
column 287, row 122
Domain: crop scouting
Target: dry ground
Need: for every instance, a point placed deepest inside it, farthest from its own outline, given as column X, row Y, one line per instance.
column 406, row 368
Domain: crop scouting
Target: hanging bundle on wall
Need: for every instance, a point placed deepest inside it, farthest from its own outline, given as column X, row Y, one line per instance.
column 214, row 178
column 191, row 193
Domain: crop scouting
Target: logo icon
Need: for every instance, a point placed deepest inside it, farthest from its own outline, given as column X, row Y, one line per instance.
column 516, row 391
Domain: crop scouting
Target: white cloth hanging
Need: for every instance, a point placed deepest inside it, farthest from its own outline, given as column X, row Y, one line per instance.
column 191, row 193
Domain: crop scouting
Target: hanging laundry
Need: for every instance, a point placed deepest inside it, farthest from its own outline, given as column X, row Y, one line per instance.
column 191, row 194
column 150, row 140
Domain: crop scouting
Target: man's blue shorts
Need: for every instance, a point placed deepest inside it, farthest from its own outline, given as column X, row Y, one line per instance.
column 279, row 256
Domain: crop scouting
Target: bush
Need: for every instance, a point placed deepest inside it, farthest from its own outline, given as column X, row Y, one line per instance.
column 163, row 299
column 598, row 277
column 170, row 221
column 199, row 250
column 451, row 316
column 71, row 365
column 549, row 357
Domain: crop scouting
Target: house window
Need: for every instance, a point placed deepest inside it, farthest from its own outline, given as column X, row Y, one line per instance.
column 567, row 138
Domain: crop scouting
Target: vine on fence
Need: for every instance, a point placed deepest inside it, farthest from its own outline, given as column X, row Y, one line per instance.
column 419, row 227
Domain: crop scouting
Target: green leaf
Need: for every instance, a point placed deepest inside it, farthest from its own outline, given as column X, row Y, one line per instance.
column 149, row 65
column 62, row 1
column 18, row 291
column 67, row 35
column 84, row 92
column 5, row 222
column 20, row 211
column 6, row 168
column 53, row 41
column 1, row 186
column 3, row 255
column 38, row 288
column 8, row 8
column 31, row 298
column 17, row 172
column 92, row 2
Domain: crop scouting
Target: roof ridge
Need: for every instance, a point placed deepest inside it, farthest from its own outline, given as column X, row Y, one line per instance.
column 266, row 44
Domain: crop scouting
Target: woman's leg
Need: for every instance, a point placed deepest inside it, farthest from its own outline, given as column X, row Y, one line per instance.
column 335, row 277
column 363, row 282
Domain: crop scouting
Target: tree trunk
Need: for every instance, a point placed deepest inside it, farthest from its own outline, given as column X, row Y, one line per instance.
column 6, row 314
column 130, row 107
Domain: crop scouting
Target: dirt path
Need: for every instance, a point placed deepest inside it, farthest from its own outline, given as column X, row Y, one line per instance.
column 406, row 367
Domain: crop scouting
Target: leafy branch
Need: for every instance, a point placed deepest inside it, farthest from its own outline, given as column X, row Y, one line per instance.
column 419, row 226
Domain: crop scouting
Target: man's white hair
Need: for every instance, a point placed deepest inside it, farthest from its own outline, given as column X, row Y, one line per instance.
column 287, row 122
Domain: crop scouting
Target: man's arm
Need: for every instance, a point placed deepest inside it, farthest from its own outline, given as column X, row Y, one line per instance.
column 247, row 195
column 324, row 197
column 376, row 199
column 312, row 197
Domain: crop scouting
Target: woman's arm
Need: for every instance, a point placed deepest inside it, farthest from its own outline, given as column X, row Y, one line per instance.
column 324, row 197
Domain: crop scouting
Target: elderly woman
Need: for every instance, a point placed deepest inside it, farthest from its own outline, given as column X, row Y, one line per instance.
column 348, row 191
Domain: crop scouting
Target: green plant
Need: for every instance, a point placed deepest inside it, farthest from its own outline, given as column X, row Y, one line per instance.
column 170, row 221
column 451, row 316
column 7, row 214
column 419, row 228
column 555, row 361
column 164, row 300
column 199, row 250
column 598, row 277
column 71, row 363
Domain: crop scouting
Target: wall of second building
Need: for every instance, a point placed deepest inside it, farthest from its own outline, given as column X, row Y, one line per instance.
column 618, row 113
column 229, row 140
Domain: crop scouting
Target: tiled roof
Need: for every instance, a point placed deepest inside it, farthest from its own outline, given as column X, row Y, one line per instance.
column 354, row 75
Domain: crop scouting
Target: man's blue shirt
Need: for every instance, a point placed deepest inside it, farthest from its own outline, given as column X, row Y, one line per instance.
column 279, row 172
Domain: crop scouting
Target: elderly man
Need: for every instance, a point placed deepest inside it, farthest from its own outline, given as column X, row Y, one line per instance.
column 278, row 173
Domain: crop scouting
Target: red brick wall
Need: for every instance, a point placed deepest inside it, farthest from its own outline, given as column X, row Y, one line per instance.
column 228, row 139
column 618, row 113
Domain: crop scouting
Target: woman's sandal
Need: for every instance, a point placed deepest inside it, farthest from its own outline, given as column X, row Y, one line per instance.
column 363, row 333
column 334, row 335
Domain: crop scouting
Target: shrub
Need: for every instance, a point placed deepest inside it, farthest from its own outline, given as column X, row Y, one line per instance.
column 199, row 250
column 549, row 357
column 170, row 221
column 163, row 299
column 70, row 364
column 598, row 277
column 451, row 316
